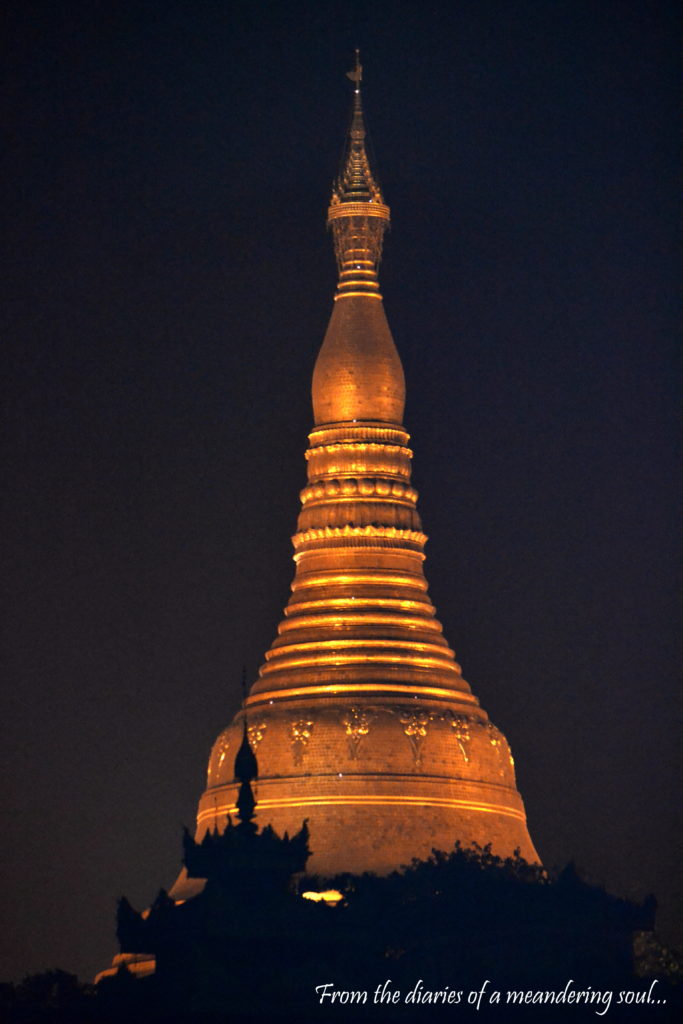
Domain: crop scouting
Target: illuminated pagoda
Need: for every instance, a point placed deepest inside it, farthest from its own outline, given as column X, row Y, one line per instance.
column 362, row 720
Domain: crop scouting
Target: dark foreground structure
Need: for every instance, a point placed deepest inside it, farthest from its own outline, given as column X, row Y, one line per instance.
column 462, row 935
column 418, row 944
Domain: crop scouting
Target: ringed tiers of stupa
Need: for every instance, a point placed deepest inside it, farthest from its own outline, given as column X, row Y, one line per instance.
column 360, row 717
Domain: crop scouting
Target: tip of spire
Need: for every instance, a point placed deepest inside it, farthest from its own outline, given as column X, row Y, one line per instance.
column 356, row 73
column 356, row 182
column 357, row 212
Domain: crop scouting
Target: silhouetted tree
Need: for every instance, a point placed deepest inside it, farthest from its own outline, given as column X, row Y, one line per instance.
column 50, row 997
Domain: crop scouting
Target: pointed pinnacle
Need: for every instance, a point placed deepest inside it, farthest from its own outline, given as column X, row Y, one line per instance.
column 356, row 74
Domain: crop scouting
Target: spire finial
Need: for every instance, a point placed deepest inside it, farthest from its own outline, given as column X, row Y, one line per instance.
column 356, row 73
column 357, row 213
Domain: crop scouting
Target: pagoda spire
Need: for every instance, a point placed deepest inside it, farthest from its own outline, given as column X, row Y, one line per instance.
column 246, row 770
column 361, row 713
column 357, row 213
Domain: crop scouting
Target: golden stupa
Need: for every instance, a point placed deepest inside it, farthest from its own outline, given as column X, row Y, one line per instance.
column 360, row 717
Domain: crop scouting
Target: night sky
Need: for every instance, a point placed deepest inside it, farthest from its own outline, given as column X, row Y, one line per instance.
column 167, row 280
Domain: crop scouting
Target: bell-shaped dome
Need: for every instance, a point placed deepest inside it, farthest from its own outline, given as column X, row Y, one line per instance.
column 363, row 720
column 358, row 373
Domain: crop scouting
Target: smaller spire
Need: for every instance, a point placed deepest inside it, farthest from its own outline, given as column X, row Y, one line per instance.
column 246, row 765
column 246, row 769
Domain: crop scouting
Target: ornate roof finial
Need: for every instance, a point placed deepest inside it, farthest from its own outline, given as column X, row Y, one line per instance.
column 357, row 213
column 356, row 74
column 246, row 769
column 246, row 765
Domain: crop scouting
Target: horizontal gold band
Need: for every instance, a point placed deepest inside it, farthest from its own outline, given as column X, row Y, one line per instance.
column 332, row 604
column 339, row 553
column 362, row 295
column 360, row 446
column 348, row 279
column 371, row 578
column 428, row 624
column 368, row 431
column 390, row 533
column 340, row 209
column 343, row 643
column 288, row 803
column 395, row 457
column 354, row 498
column 346, row 689
column 315, row 659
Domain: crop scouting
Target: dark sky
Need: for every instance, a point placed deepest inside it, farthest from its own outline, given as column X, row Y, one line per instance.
column 167, row 280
